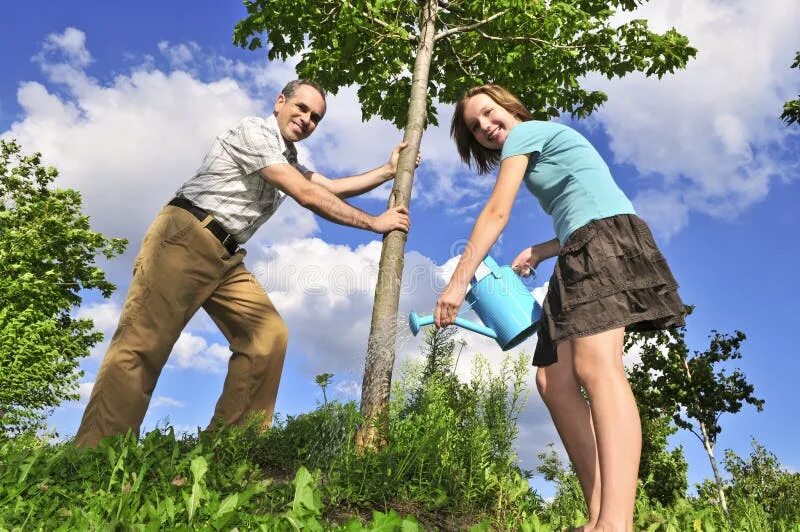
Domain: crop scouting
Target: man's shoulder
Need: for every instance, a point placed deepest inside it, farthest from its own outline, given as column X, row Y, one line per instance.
column 256, row 131
column 256, row 122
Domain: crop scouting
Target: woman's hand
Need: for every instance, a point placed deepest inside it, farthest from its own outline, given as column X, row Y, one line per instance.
column 530, row 257
column 526, row 262
column 448, row 304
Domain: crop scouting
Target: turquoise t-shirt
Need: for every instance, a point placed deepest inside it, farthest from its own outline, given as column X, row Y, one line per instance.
column 568, row 177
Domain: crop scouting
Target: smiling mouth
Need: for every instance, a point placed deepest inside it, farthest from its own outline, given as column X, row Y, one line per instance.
column 493, row 134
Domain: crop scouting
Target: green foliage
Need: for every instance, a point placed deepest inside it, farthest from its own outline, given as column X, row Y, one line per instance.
column 695, row 390
column 47, row 254
column 539, row 50
column 218, row 480
column 158, row 483
column 450, row 460
column 791, row 109
column 662, row 471
column 762, row 478
column 568, row 507
column 450, row 444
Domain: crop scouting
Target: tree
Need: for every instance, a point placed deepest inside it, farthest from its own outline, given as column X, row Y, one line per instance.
column 405, row 54
column 323, row 380
column 791, row 109
column 663, row 471
column 762, row 478
column 694, row 390
column 47, row 253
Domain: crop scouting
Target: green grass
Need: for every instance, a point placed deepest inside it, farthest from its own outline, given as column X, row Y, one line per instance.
column 449, row 465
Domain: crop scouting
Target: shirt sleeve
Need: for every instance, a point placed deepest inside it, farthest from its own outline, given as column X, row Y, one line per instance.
column 252, row 146
column 301, row 168
column 524, row 139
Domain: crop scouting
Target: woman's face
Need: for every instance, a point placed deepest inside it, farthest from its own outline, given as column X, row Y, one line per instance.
column 488, row 121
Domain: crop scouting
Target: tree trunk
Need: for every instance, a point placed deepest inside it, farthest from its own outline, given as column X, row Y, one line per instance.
column 717, row 478
column 381, row 345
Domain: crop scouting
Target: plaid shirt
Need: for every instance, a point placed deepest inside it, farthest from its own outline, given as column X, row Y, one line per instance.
column 228, row 186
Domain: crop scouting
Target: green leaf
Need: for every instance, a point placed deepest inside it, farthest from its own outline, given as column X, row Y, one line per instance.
column 228, row 505
column 199, row 467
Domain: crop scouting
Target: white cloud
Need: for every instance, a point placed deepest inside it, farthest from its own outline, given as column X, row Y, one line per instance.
column 163, row 400
column 194, row 352
column 179, row 55
column 708, row 137
column 105, row 316
column 84, row 391
column 71, row 44
column 349, row 390
column 126, row 144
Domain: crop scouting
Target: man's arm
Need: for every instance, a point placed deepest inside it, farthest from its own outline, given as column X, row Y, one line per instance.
column 326, row 204
column 346, row 187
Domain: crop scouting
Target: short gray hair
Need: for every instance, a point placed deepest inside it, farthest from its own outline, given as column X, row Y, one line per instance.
column 288, row 90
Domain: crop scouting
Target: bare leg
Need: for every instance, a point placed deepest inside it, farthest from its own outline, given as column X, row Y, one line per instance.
column 573, row 420
column 598, row 367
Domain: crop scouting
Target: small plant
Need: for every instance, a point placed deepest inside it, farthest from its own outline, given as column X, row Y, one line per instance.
column 323, row 380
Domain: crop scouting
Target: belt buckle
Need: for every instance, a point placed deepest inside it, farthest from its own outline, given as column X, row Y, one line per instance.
column 225, row 241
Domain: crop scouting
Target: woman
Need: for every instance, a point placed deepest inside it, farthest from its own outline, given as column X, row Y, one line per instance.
column 609, row 277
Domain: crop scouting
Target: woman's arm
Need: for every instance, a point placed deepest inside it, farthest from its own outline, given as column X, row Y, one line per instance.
column 530, row 257
column 487, row 229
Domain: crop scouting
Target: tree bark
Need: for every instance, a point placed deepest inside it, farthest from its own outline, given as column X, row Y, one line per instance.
column 381, row 344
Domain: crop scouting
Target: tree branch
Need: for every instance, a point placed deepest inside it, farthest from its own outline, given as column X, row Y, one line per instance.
column 532, row 39
column 392, row 29
column 469, row 27
column 458, row 59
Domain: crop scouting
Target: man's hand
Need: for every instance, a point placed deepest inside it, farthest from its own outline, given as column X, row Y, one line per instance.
column 391, row 164
column 392, row 219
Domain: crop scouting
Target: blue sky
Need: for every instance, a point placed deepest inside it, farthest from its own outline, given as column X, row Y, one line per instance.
column 124, row 98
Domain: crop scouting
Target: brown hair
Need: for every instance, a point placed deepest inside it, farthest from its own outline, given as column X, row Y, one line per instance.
column 468, row 148
column 288, row 90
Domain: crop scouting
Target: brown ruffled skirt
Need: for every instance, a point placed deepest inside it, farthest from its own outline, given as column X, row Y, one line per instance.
column 609, row 274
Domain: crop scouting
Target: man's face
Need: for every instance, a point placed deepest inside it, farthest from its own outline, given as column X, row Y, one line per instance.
column 299, row 115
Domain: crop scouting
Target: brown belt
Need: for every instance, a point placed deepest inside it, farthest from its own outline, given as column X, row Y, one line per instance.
column 216, row 229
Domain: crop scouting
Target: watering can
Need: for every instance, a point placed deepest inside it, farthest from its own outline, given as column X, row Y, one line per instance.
column 504, row 304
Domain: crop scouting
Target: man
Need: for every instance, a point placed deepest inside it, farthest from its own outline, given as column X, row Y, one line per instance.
column 190, row 258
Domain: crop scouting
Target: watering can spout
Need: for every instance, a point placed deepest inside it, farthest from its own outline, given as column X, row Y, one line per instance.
column 416, row 322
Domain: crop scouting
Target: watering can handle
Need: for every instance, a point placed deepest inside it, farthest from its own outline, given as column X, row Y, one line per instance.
column 493, row 267
column 490, row 263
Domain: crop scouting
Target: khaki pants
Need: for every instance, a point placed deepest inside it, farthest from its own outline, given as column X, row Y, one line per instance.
column 180, row 268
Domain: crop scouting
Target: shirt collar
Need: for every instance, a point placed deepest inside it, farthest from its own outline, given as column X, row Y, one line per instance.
column 285, row 145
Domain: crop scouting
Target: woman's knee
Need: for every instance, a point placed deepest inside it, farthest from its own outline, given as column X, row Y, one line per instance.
column 542, row 383
column 596, row 360
column 555, row 382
